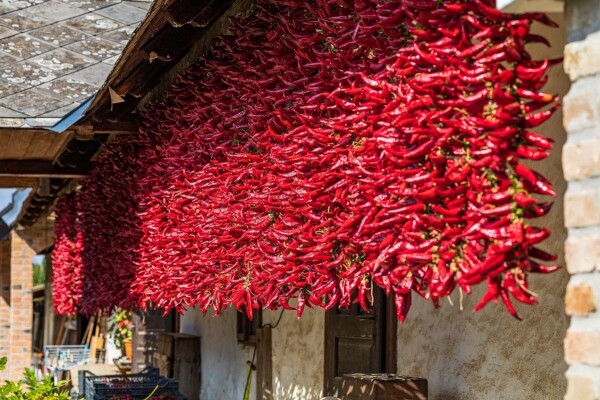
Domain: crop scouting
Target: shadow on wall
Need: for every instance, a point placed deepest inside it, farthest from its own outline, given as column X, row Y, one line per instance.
column 298, row 348
column 490, row 355
column 298, row 391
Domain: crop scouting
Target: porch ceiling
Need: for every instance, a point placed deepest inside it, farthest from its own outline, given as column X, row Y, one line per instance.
column 27, row 155
column 30, row 144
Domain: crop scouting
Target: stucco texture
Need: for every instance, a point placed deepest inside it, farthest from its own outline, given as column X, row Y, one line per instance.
column 298, row 347
column 490, row 355
column 297, row 351
column 224, row 367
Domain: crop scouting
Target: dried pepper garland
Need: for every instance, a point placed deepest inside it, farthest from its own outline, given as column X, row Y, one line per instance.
column 66, row 257
column 109, row 225
column 326, row 146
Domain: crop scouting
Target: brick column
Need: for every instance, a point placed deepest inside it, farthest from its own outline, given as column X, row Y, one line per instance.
column 16, row 298
column 21, row 306
column 581, row 165
column 5, row 249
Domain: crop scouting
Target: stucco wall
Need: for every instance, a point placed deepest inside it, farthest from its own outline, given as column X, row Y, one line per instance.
column 224, row 367
column 297, row 355
column 490, row 355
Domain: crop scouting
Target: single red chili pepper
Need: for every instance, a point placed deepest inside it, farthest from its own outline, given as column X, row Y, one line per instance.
column 403, row 303
column 493, row 291
column 531, row 154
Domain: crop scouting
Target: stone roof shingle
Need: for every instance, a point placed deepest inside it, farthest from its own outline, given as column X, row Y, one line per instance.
column 54, row 54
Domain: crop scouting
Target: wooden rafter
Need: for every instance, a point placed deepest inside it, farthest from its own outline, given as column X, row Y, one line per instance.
column 40, row 169
column 18, row 182
column 127, row 126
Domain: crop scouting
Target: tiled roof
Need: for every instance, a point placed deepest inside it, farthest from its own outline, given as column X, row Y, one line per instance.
column 54, row 54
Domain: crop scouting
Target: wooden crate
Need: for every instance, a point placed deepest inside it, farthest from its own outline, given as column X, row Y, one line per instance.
column 383, row 387
column 177, row 356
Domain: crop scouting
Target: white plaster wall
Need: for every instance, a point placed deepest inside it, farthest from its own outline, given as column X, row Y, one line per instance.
column 297, row 355
column 489, row 355
column 298, row 348
column 224, row 367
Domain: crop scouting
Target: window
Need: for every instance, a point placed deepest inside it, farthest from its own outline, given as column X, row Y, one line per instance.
column 246, row 328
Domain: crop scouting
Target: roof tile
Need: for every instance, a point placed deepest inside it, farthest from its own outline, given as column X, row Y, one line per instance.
column 93, row 24
column 121, row 35
column 94, row 75
column 123, row 13
column 55, row 54
column 92, row 5
column 5, row 8
column 68, row 89
column 62, row 61
column 60, row 112
column 24, row 46
column 58, row 34
column 7, row 112
column 25, row 75
column 22, row 21
column 8, row 87
column 96, row 47
column 20, row 3
column 6, row 59
column 5, row 32
column 31, row 102
column 55, row 11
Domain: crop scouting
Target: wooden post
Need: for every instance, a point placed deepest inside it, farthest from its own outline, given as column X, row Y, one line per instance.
column 264, row 364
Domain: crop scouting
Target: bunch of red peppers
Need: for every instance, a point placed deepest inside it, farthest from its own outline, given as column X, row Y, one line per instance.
column 325, row 147
column 67, row 263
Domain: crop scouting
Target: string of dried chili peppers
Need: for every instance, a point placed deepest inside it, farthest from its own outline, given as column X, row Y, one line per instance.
column 66, row 257
column 328, row 145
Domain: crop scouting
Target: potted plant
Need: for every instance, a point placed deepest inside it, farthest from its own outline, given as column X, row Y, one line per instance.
column 119, row 329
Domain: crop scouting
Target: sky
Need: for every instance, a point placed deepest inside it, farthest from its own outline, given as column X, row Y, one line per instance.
column 5, row 197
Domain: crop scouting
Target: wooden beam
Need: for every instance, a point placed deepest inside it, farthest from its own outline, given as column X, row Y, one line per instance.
column 40, row 169
column 264, row 363
column 18, row 182
column 44, row 187
column 196, row 13
column 120, row 127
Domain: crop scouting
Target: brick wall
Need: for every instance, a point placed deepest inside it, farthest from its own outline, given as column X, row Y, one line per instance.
column 16, row 302
column 581, row 165
column 5, row 248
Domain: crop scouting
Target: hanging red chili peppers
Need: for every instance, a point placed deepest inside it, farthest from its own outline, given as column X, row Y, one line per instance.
column 325, row 146
column 66, row 257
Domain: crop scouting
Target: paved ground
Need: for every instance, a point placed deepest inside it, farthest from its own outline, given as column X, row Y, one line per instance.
column 54, row 54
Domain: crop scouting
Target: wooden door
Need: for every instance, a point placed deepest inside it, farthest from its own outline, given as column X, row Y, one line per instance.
column 147, row 327
column 359, row 342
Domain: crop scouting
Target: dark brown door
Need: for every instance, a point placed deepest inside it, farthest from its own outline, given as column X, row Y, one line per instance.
column 358, row 342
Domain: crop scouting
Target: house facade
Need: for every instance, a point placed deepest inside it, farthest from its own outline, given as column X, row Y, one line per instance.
column 552, row 354
column 462, row 355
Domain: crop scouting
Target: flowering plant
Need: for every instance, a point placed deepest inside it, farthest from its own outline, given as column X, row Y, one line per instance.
column 119, row 327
